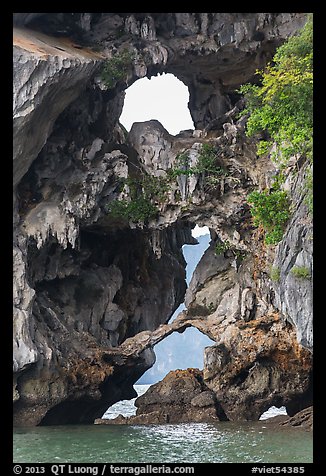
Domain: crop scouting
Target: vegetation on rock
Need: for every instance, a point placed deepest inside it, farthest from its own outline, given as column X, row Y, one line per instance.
column 282, row 105
column 275, row 274
column 301, row 272
column 222, row 246
column 271, row 210
column 207, row 166
column 206, row 163
column 116, row 68
column 146, row 192
column 281, row 108
column 138, row 208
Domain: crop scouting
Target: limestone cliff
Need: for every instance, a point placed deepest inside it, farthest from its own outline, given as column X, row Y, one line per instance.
column 93, row 290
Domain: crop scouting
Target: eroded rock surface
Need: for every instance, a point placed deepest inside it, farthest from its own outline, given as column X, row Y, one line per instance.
column 302, row 420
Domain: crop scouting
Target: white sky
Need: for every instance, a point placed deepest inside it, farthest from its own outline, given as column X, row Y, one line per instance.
column 199, row 230
column 163, row 97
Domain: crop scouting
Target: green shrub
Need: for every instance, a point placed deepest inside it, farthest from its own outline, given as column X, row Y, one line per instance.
column 143, row 191
column 301, row 272
column 282, row 106
column 118, row 209
column 240, row 255
column 155, row 188
column 222, row 246
column 116, row 68
column 211, row 307
column 271, row 210
column 206, row 165
column 278, row 180
column 275, row 274
column 137, row 210
column 181, row 167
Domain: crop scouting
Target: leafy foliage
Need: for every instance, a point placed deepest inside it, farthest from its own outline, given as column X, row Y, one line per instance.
column 152, row 188
column 146, row 191
column 143, row 191
column 271, row 210
column 239, row 254
column 181, row 166
column 282, row 106
column 116, row 68
column 222, row 246
column 138, row 210
column 206, row 165
column 301, row 272
column 275, row 274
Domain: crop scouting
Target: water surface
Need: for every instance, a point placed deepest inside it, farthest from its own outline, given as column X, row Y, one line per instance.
column 222, row 442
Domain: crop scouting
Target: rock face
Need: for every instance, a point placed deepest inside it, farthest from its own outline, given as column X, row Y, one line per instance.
column 93, row 291
column 296, row 251
column 303, row 420
column 181, row 397
column 257, row 361
column 49, row 73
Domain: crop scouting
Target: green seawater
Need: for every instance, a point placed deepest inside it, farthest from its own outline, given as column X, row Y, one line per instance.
column 223, row 442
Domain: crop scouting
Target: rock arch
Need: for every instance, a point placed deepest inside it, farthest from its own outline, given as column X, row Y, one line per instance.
column 88, row 298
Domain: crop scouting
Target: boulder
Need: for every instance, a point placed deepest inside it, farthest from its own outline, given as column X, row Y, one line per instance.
column 181, row 397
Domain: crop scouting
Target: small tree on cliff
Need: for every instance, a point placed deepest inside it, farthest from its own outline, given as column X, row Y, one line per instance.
column 281, row 107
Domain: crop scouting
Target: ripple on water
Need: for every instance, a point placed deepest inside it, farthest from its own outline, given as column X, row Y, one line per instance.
column 228, row 442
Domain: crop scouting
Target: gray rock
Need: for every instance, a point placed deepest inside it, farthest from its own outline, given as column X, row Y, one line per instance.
column 294, row 295
column 204, row 399
column 302, row 420
column 248, row 300
column 153, row 145
column 93, row 292
column 48, row 76
column 21, row 19
column 179, row 398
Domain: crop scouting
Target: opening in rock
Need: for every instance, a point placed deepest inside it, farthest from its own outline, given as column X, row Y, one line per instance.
column 272, row 412
column 192, row 255
column 178, row 351
column 164, row 98
column 181, row 351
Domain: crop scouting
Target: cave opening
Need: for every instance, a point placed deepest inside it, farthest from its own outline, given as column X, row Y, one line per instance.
column 176, row 352
column 164, row 98
column 180, row 350
column 186, row 349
